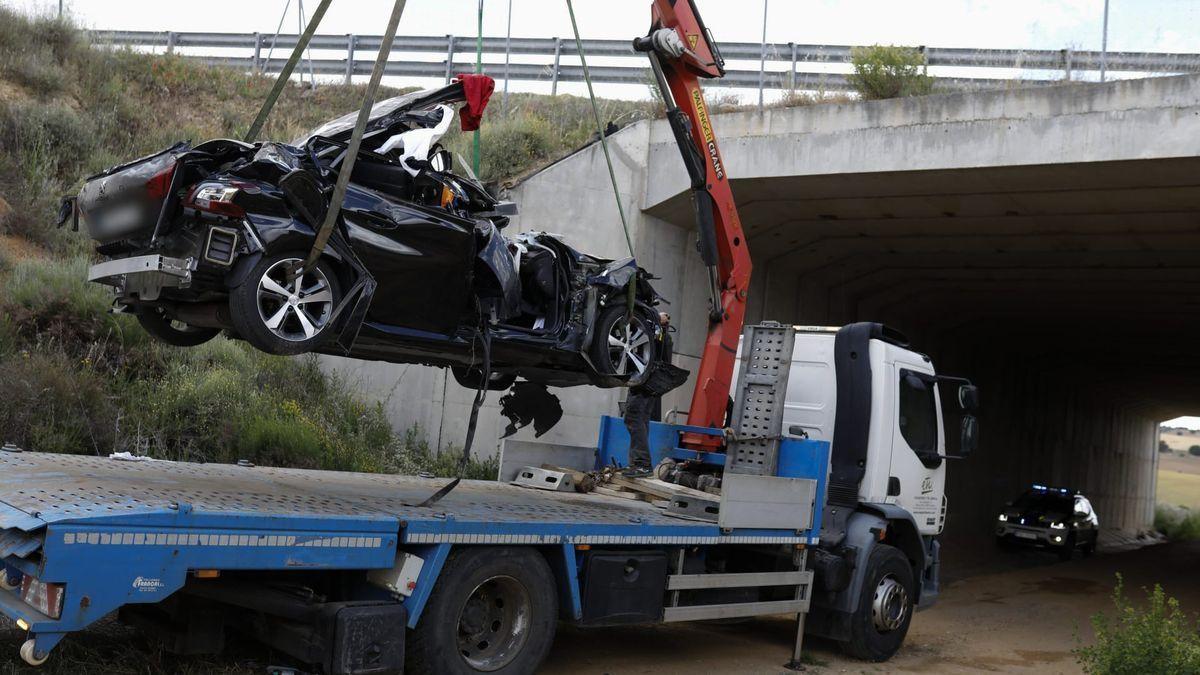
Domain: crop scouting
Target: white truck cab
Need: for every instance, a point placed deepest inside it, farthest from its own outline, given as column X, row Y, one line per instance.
column 878, row 403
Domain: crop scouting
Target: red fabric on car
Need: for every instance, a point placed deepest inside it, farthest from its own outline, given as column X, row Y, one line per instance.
column 477, row 89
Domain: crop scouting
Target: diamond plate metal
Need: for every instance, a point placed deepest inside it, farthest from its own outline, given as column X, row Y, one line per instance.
column 759, row 404
column 55, row 488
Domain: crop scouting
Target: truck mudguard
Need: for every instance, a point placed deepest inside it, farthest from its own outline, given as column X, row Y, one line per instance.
column 831, row 612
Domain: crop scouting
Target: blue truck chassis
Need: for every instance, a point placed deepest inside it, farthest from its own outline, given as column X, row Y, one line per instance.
column 81, row 537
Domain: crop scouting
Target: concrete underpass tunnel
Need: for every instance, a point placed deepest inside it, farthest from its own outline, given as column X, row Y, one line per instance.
column 1045, row 244
column 1071, row 295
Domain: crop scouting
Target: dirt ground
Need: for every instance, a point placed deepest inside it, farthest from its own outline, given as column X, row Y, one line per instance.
column 1024, row 620
column 1011, row 611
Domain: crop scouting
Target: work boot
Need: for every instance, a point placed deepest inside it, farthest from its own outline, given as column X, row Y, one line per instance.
column 636, row 471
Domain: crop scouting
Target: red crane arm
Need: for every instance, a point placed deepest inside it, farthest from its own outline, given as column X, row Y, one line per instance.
column 678, row 65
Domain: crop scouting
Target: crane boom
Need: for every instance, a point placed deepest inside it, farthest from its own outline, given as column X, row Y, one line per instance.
column 681, row 52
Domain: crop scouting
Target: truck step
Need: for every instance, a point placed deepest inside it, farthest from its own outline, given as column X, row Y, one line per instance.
column 733, row 611
column 680, row 582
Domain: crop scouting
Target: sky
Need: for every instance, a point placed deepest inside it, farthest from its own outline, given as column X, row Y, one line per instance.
column 1134, row 25
column 1189, row 422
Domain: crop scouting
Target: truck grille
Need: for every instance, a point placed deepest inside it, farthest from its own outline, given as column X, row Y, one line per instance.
column 221, row 244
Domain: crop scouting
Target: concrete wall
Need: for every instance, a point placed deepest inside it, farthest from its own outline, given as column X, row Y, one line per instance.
column 1041, row 241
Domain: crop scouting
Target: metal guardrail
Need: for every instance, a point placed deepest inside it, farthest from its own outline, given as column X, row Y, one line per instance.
column 1056, row 65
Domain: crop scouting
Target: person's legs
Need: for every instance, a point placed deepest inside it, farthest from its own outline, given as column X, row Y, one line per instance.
column 637, row 421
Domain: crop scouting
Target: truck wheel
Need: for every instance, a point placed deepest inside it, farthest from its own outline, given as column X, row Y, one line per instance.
column 880, row 623
column 281, row 317
column 173, row 332
column 493, row 609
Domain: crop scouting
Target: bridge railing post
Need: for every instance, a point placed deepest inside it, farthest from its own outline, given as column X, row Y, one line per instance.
column 256, row 62
column 792, row 75
column 1067, row 57
column 351, row 43
column 554, row 74
column 171, row 38
column 449, row 58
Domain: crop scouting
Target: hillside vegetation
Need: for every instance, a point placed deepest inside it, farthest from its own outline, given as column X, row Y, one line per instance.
column 79, row 379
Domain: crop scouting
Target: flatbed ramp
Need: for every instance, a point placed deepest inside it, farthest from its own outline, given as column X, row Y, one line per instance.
column 81, row 536
column 38, row 489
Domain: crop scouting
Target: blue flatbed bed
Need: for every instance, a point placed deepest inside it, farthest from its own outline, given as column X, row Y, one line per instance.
column 113, row 532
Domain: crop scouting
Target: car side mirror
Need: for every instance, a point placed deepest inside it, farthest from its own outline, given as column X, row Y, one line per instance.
column 970, row 435
column 968, row 397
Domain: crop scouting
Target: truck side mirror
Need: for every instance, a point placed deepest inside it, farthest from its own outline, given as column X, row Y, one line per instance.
column 968, row 397
column 970, row 435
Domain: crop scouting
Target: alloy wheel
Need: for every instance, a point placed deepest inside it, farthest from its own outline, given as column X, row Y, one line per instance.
column 295, row 310
column 629, row 346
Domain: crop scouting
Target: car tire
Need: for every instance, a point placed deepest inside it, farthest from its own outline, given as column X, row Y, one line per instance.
column 493, row 609
column 177, row 333
column 1068, row 548
column 1089, row 549
column 471, row 378
column 286, row 321
column 612, row 335
column 879, row 624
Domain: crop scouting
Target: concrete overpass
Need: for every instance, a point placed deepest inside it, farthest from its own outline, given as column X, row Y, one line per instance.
column 1045, row 242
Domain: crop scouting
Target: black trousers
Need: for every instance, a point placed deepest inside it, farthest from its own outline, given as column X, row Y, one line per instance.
column 639, row 408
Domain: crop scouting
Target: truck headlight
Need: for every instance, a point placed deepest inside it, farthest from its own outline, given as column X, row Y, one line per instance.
column 1003, row 518
column 1058, row 526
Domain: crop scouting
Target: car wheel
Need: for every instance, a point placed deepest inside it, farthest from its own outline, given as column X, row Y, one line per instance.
column 493, row 609
column 880, row 622
column 1089, row 549
column 1068, row 548
column 282, row 317
column 165, row 329
column 624, row 345
column 471, row 378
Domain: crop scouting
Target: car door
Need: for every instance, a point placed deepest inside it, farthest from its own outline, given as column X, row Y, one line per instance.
column 916, row 445
column 421, row 260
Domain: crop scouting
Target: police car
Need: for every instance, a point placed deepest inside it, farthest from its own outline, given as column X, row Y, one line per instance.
column 1057, row 518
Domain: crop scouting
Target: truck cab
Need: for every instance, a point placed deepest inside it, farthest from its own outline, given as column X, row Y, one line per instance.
column 879, row 405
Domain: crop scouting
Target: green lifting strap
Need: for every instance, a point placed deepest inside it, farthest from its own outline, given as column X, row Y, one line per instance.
column 281, row 81
column 631, row 297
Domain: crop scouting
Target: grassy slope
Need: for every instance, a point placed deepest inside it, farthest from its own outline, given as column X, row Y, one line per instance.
column 82, row 380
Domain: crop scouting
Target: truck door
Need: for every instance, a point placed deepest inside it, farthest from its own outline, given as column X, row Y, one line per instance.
column 917, row 469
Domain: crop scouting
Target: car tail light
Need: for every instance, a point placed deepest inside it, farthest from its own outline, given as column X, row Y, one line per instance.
column 45, row 598
column 216, row 198
column 160, row 183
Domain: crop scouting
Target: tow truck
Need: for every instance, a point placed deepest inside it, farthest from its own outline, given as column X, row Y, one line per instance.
column 830, row 456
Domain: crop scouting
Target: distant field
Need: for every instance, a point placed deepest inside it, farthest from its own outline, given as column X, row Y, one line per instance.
column 1179, row 480
column 1180, row 442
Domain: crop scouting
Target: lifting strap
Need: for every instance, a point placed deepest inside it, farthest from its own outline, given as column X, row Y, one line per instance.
column 281, row 81
column 360, row 127
column 612, row 175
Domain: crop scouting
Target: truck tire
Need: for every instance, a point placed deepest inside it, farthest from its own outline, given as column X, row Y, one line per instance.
column 493, row 609
column 884, row 611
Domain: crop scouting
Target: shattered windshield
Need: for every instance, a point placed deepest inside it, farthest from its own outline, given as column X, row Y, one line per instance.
column 346, row 122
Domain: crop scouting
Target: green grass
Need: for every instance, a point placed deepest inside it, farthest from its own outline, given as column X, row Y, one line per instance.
column 1177, row 522
column 1179, row 489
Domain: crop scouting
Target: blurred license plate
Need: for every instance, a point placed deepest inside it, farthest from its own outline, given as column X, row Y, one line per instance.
column 1026, row 535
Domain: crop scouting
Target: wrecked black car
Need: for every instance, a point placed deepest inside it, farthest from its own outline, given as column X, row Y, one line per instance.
column 209, row 238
